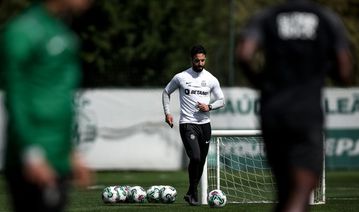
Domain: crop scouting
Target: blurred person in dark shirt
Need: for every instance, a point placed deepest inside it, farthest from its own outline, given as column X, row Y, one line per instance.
column 302, row 42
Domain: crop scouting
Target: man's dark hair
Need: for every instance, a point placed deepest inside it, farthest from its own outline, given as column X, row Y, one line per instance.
column 198, row 49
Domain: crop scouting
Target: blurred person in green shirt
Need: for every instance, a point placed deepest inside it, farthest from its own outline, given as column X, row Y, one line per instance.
column 41, row 73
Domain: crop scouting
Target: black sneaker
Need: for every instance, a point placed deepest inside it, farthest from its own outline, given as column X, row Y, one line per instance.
column 191, row 200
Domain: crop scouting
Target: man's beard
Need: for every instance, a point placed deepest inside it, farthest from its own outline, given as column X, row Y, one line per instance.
column 198, row 69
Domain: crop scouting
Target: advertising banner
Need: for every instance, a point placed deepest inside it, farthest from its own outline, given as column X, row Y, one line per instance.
column 124, row 128
column 342, row 148
column 341, row 107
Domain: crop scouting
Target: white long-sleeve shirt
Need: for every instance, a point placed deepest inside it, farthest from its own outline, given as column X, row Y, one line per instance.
column 194, row 87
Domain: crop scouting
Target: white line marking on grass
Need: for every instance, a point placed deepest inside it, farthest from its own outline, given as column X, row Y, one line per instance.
column 343, row 198
column 94, row 187
column 345, row 188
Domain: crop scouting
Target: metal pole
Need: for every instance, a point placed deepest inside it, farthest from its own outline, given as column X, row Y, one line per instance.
column 231, row 74
column 218, row 164
column 204, row 185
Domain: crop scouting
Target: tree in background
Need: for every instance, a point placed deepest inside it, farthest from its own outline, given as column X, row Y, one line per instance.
column 141, row 43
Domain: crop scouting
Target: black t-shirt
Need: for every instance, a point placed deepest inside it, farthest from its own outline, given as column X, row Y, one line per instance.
column 299, row 40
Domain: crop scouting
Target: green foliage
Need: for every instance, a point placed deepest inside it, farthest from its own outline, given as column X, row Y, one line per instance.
column 140, row 43
column 348, row 11
column 8, row 8
column 144, row 43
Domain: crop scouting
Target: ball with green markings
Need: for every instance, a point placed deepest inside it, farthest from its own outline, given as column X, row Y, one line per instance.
column 168, row 194
column 109, row 195
column 217, row 199
column 153, row 194
column 137, row 194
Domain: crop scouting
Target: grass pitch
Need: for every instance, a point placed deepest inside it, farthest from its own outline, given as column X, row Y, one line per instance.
column 342, row 192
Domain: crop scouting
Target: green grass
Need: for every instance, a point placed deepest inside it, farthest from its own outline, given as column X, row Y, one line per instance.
column 342, row 193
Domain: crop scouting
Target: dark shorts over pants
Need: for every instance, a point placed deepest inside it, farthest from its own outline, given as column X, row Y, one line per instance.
column 294, row 148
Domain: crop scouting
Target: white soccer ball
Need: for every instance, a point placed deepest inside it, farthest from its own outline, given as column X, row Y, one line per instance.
column 217, row 199
column 137, row 194
column 168, row 194
column 122, row 193
column 109, row 195
column 127, row 189
column 153, row 194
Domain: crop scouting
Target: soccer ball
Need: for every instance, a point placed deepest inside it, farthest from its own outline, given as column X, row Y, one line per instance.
column 217, row 199
column 137, row 194
column 153, row 194
column 128, row 192
column 109, row 195
column 121, row 193
column 168, row 194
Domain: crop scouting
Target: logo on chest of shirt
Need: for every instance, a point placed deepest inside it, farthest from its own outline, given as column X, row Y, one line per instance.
column 196, row 88
column 195, row 92
column 56, row 45
column 203, row 83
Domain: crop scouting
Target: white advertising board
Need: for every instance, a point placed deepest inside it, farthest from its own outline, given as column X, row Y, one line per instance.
column 125, row 129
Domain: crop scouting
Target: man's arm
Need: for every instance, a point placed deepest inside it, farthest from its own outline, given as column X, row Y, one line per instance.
column 16, row 53
column 166, row 102
column 245, row 52
column 342, row 50
column 218, row 102
column 166, row 108
column 250, row 40
column 345, row 66
column 218, row 96
column 166, row 96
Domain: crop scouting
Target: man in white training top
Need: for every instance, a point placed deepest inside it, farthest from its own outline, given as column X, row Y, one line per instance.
column 196, row 85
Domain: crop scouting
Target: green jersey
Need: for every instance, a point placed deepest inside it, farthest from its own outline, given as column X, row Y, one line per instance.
column 41, row 73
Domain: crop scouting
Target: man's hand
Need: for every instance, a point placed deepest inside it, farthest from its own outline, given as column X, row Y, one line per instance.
column 169, row 120
column 40, row 173
column 202, row 107
column 81, row 174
